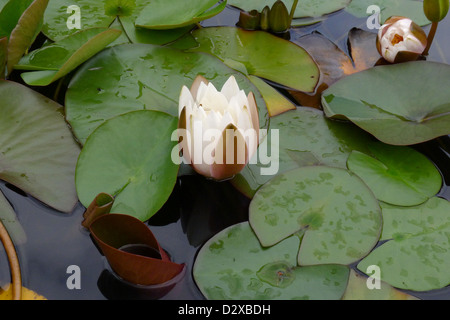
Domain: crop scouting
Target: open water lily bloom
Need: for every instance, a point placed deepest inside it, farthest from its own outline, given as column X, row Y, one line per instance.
column 401, row 39
column 218, row 130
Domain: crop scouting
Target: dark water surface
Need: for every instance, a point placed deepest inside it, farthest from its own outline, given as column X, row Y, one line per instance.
column 197, row 210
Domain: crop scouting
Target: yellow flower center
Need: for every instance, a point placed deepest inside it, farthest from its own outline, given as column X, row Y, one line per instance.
column 397, row 39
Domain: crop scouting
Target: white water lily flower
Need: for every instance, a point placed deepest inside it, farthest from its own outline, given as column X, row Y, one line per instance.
column 400, row 40
column 218, row 130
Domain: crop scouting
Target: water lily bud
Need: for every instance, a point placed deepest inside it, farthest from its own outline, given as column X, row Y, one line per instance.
column 436, row 10
column 218, row 130
column 265, row 18
column 279, row 17
column 249, row 20
column 401, row 40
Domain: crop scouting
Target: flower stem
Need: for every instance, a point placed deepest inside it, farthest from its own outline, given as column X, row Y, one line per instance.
column 16, row 277
column 294, row 6
column 431, row 35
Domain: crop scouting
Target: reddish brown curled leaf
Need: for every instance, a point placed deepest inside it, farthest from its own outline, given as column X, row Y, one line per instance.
column 116, row 234
column 101, row 205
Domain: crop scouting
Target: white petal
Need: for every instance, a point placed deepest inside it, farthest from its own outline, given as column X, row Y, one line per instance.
column 202, row 89
column 185, row 99
column 230, row 88
column 214, row 100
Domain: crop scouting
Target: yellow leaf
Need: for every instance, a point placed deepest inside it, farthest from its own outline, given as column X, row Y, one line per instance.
column 27, row 294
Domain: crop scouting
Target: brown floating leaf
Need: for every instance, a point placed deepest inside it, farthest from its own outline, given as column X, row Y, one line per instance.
column 101, row 205
column 334, row 63
column 132, row 250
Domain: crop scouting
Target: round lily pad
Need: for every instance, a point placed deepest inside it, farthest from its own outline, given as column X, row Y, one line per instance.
column 162, row 14
column 298, row 138
column 233, row 266
column 337, row 213
column 397, row 175
column 138, row 76
column 120, row 14
column 129, row 157
column 417, row 254
column 393, row 103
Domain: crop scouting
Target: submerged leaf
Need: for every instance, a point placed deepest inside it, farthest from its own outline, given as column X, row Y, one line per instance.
column 9, row 219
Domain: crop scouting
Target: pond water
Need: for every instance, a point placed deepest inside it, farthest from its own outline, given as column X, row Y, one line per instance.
column 197, row 210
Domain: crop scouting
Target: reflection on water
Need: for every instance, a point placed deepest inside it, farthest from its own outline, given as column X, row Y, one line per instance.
column 57, row 241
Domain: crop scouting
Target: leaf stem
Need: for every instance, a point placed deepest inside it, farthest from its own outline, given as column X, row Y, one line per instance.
column 431, row 35
column 16, row 278
column 294, row 6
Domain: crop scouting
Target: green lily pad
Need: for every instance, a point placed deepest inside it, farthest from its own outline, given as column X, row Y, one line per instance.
column 336, row 211
column 233, row 266
column 103, row 14
column 393, row 103
column 136, row 76
column 160, row 14
column 37, row 150
column 305, row 8
column 412, row 9
column 283, row 62
column 305, row 137
column 129, row 157
column 397, row 175
column 56, row 60
column 417, row 254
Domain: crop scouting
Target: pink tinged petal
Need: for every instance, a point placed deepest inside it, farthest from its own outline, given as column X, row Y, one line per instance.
column 231, row 154
column 230, row 88
column 202, row 89
column 196, row 85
